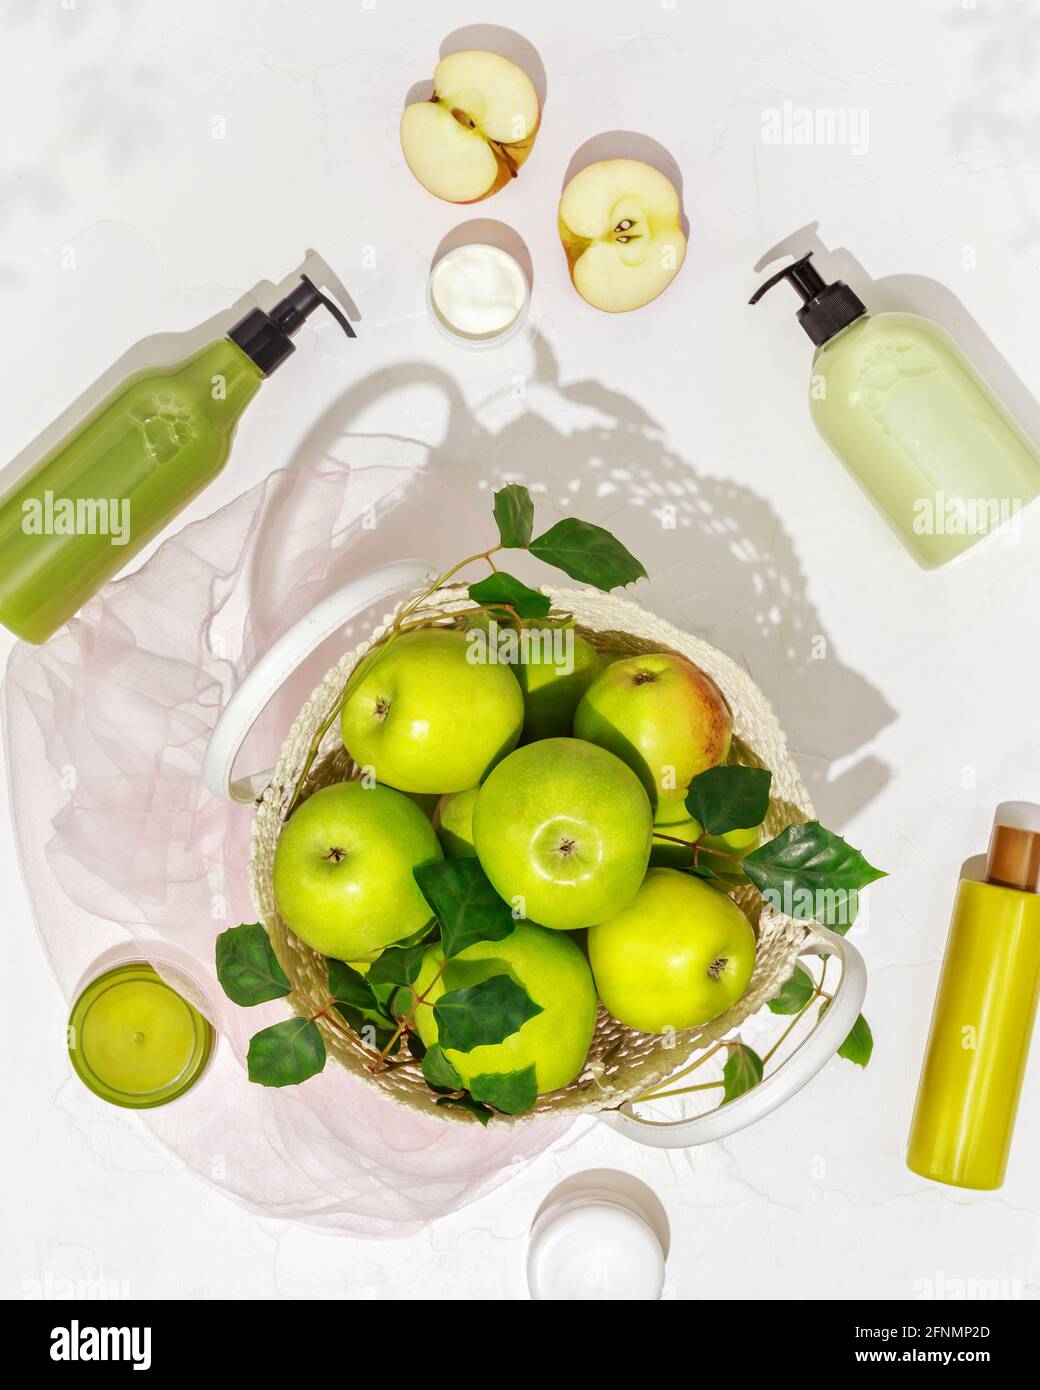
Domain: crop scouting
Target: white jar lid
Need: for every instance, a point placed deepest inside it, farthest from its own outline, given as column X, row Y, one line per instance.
column 594, row 1250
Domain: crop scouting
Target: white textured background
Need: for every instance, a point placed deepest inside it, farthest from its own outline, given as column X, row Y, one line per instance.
column 122, row 215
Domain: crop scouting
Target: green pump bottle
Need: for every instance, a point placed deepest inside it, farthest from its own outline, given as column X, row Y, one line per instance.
column 911, row 419
column 137, row 460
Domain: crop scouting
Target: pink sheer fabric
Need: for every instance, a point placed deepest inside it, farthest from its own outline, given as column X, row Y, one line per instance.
column 121, row 846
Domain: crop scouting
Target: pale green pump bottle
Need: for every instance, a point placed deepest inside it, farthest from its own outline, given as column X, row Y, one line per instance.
column 126, row 471
column 912, row 420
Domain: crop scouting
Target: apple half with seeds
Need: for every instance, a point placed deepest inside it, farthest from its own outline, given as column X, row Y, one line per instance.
column 475, row 131
column 620, row 224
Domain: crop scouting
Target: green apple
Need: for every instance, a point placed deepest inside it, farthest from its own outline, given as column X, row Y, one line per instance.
column 551, row 687
column 426, row 802
column 715, row 852
column 562, row 830
column 555, row 974
column 677, row 956
column 672, row 818
column 343, row 869
column 664, row 716
column 426, row 717
column 718, row 851
column 453, row 822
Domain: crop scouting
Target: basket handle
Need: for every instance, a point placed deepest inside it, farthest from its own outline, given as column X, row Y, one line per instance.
column 272, row 669
column 798, row 1069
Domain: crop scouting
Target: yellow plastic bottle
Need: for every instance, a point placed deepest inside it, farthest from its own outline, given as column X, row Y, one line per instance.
column 984, row 1013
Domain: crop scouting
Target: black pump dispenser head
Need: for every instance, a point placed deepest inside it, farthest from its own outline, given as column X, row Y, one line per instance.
column 826, row 309
column 267, row 338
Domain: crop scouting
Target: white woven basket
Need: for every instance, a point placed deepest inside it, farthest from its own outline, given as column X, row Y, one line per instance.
column 622, row 1064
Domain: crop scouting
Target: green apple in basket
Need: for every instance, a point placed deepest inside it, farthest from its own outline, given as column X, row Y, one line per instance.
column 562, row 829
column 678, row 955
column 673, row 823
column 660, row 713
column 554, row 672
column 453, row 822
column 343, row 867
column 554, row 974
column 495, row 1009
column 425, row 717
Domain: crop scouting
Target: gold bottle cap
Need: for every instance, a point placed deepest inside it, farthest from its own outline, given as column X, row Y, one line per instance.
column 1013, row 859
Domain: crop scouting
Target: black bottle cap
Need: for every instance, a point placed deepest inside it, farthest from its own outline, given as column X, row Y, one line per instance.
column 826, row 309
column 267, row 338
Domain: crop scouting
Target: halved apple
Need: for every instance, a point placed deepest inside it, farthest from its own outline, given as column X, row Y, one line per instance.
column 620, row 226
column 476, row 130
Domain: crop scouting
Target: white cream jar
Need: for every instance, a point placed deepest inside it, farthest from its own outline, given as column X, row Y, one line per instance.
column 477, row 295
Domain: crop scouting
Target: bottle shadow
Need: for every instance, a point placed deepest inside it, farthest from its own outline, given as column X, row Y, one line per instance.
column 721, row 564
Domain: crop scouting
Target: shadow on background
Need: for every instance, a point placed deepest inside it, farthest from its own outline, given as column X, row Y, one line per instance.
column 721, row 564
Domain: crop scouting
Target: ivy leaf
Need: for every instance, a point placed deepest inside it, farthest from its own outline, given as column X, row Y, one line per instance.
column 464, row 902
column 742, row 1072
column 358, row 1003
column 483, row 1014
column 809, row 873
column 503, row 588
column 467, row 1103
column 795, row 992
column 248, row 968
column 729, row 798
column 859, row 1045
column 439, row 1072
column 286, row 1053
column 349, row 986
column 514, row 513
column 398, row 965
column 588, row 553
column 512, row 1092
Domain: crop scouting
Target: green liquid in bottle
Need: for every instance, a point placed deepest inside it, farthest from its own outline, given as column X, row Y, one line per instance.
column 108, row 488
column 919, row 429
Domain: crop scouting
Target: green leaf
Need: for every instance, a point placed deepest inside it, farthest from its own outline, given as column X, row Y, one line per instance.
column 588, row 553
column 374, row 1029
column 512, row 1092
column 464, row 902
column 502, row 588
column 248, row 968
column 286, row 1053
column 810, row 873
column 729, row 798
column 358, row 1003
column 514, row 512
column 398, row 965
column 483, row 1014
column 859, row 1045
column 349, row 986
column 439, row 1072
column 795, row 992
column 742, row 1072
column 467, row 1103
